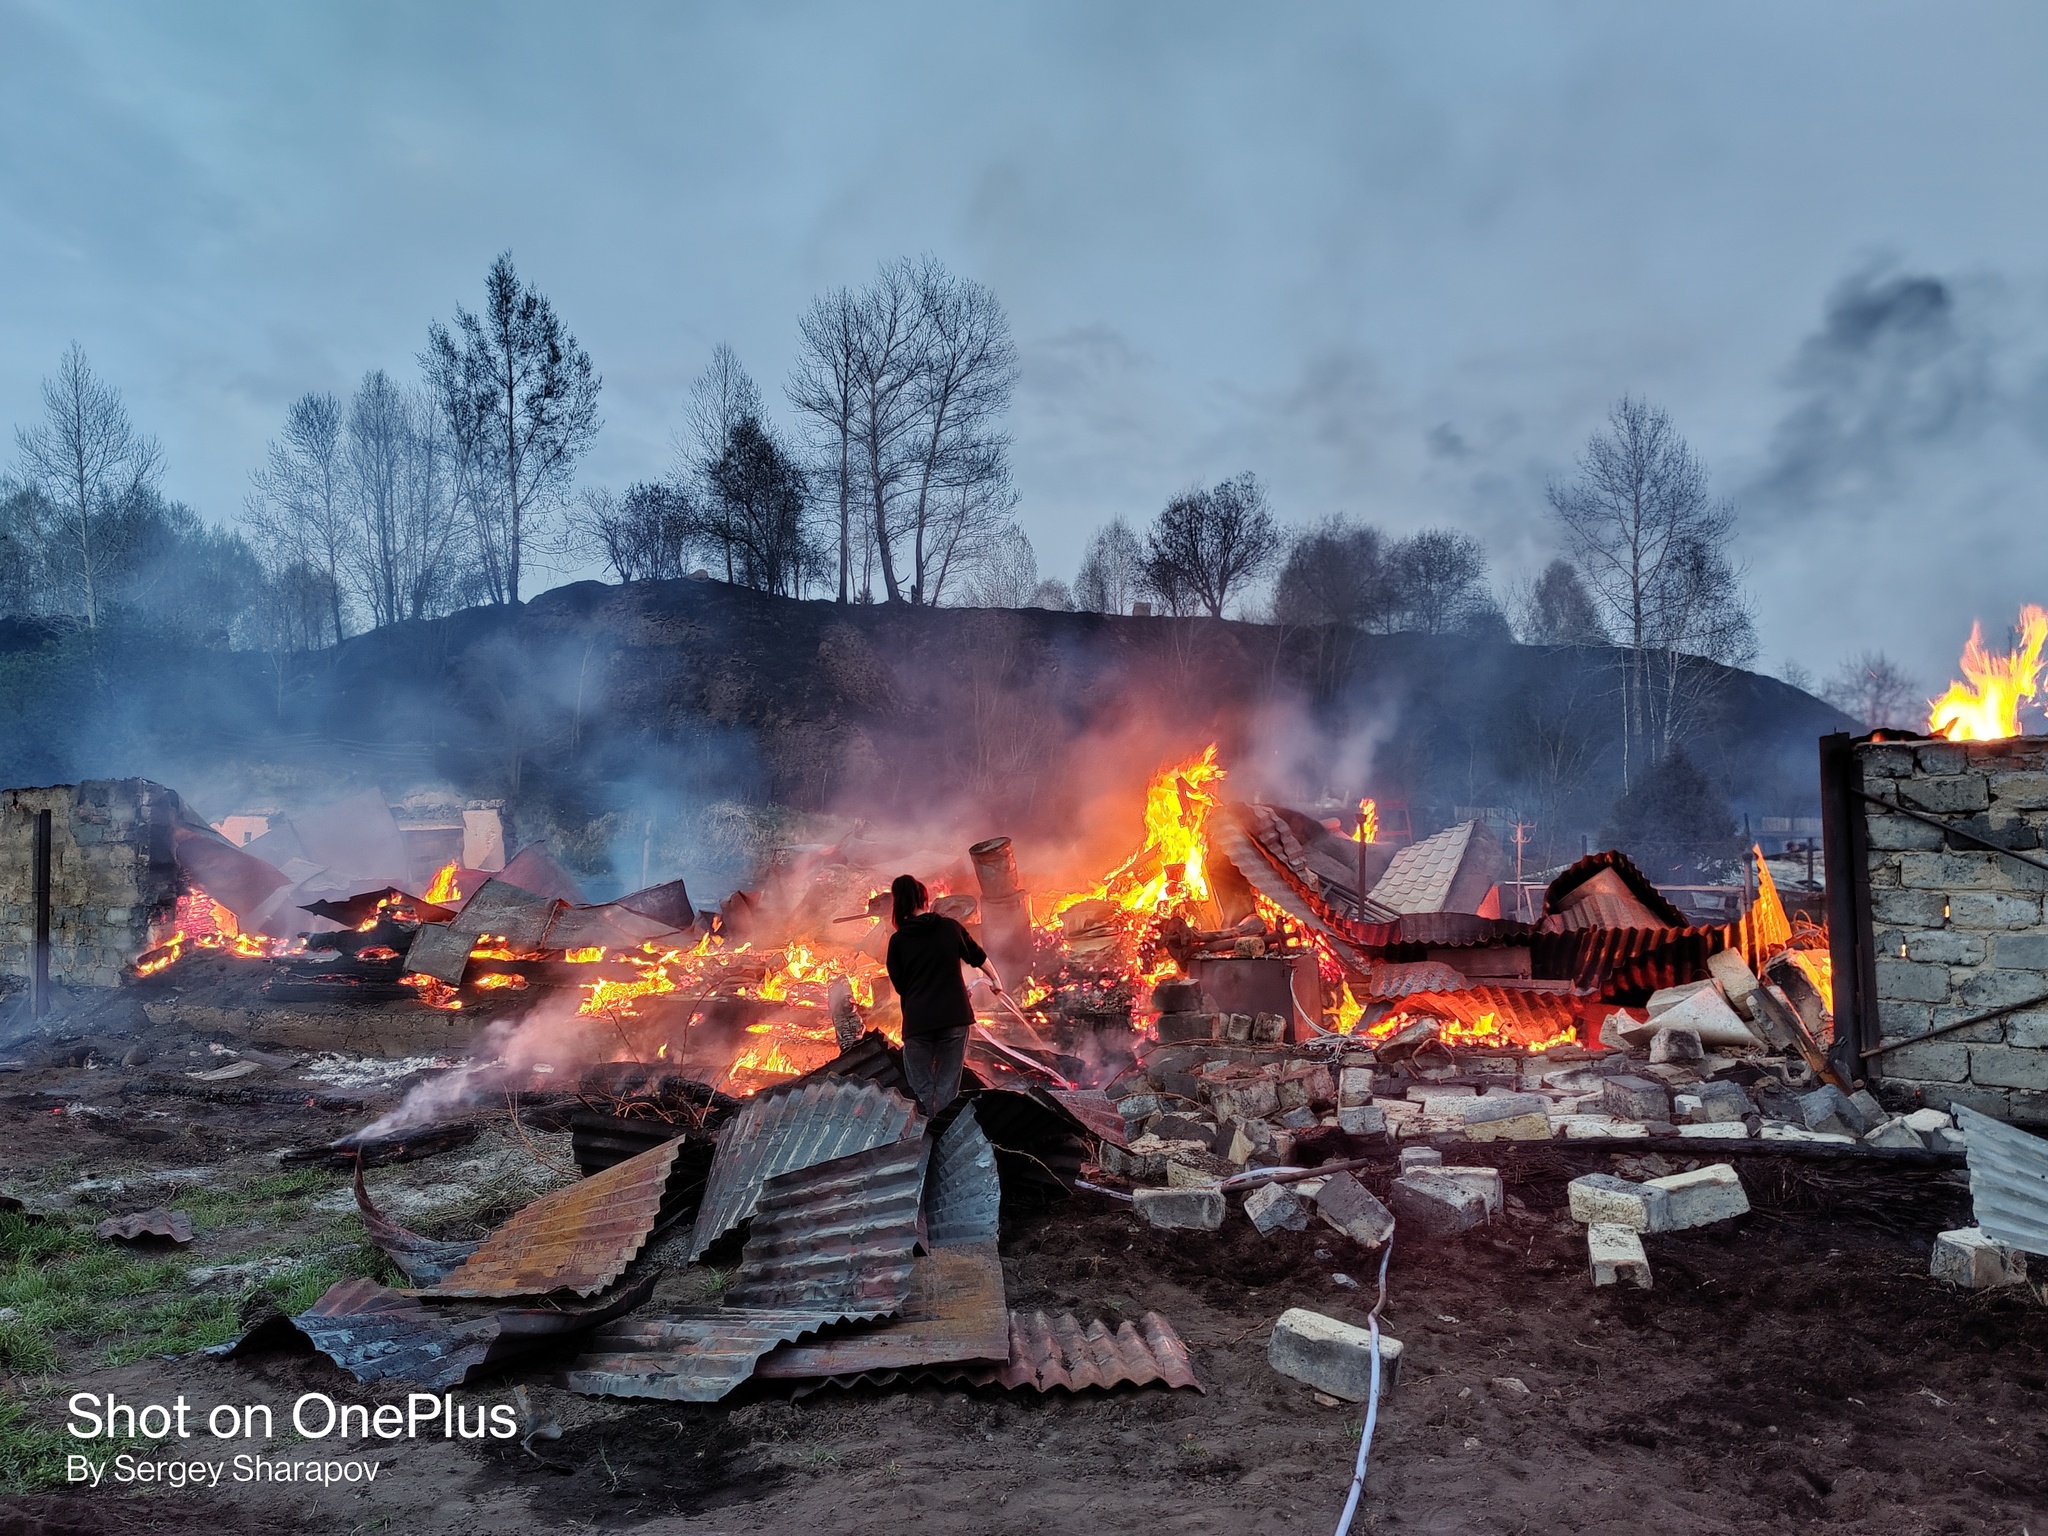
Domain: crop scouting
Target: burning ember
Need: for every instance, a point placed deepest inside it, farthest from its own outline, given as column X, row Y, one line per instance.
column 445, row 891
column 203, row 923
column 1987, row 706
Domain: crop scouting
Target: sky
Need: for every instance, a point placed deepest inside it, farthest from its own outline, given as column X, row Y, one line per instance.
column 1395, row 260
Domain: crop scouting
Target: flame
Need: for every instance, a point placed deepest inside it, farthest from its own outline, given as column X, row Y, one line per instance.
column 445, row 891
column 589, row 956
column 433, row 992
column 770, row 1061
column 200, row 922
column 1987, row 707
column 1368, row 830
column 500, row 981
column 1819, row 968
column 1486, row 1032
column 1348, row 1011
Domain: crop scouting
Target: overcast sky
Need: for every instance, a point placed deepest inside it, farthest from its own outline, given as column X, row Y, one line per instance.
column 1396, row 260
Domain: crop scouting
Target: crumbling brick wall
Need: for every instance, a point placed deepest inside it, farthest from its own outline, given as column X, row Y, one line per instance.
column 113, row 877
column 1957, row 929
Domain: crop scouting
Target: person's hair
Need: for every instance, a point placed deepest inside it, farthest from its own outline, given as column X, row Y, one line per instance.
column 909, row 895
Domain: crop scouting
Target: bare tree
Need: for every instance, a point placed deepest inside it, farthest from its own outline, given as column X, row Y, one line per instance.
column 758, row 505
column 887, row 362
column 521, row 401
column 1796, row 674
column 1873, row 690
column 86, row 459
column 644, row 535
column 297, row 507
column 1006, row 576
column 1112, row 570
column 399, row 465
column 1207, row 544
column 1335, row 573
column 824, row 388
column 1647, row 538
column 1560, row 611
column 1436, row 581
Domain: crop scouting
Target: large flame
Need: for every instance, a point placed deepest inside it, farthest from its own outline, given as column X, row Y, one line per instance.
column 200, row 922
column 1987, row 706
column 445, row 891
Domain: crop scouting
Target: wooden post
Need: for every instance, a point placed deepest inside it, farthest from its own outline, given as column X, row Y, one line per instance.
column 39, row 882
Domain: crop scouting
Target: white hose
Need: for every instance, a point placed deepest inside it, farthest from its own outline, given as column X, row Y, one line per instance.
column 1372, row 1401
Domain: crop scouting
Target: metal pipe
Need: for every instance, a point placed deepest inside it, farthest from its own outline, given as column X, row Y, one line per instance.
column 39, row 880
column 1950, row 828
column 1951, row 1028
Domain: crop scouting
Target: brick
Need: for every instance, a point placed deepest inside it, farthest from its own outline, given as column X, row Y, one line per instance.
column 1988, row 910
column 1903, row 981
column 1900, row 834
column 1677, row 1047
column 1362, row 1120
column 1883, row 761
column 1941, row 757
column 1331, row 1356
column 1435, row 1206
column 1715, row 1131
column 1508, row 1117
column 2020, row 791
column 1276, row 1208
column 1420, row 1157
column 1735, row 979
column 1189, row 1210
column 1947, row 795
column 1354, row 1086
column 1635, row 1098
column 1484, row 1182
column 1238, row 1026
column 1910, row 909
column 1601, row 1197
column 1194, row 1168
column 1709, row 1194
column 2029, row 1029
column 1354, row 1210
column 2021, row 951
column 2001, row 1066
column 1827, row 1109
column 1268, row 1028
column 1902, row 1021
column 1244, row 1100
column 1968, row 1258
column 1942, row 948
column 1174, row 1028
column 1178, row 994
column 1139, row 1106
column 2000, row 989
column 1615, row 1253
column 1299, row 1119
column 1966, row 872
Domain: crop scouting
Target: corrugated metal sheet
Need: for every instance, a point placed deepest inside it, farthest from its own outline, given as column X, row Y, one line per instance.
column 611, row 927
column 1037, row 1139
column 577, row 1239
column 1048, row 1352
column 692, row 1357
column 963, row 1197
column 836, row 1237
column 423, row 1260
column 780, row 1131
column 498, row 908
column 2008, row 1180
column 956, row 1312
column 168, row 1226
column 1093, row 1109
column 1281, row 886
column 1556, row 895
column 1439, row 930
column 1397, row 978
column 377, row 1334
column 871, row 1058
column 1615, row 962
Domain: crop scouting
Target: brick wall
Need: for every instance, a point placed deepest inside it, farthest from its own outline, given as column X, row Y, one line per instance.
column 1958, row 929
column 113, row 875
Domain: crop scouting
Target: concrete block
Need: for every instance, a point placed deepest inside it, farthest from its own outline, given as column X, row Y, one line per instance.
column 1612, row 1201
column 1826, row 1109
column 1940, row 947
column 1873, row 1114
column 1992, row 911
column 1299, row 1119
column 1779, row 1130
column 1354, row 1087
column 1178, row 994
column 1635, row 1098
column 1354, row 1210
column 1928, row 1121
column 1894, row 1133
column 1268, row 1029
column 1907, row 909
column 1331, row 1356
column 1718, row 1130
column 1435, row 1206
column 1678, row 1047
column 1238, row 1027
column 1907, row 982
column 2028, row 1029
column 1937, row 1061
column 1194, row 1210
column 1244, row 1099
column 1484, row 1182
column 1961, row 792
column 1276, row 1208
column 1428, row 1093
column 1709, row 1194
column 1508, row 1117
column 1999, row 988
column 2020, row 791
column 1194, row 1170
column 1899, row 834
column 1968, row 1258
column 1722, row 1103
column 1139, row 1106
column 1941, row 757
column 2021, row 951
column 1420, row 1157
column 1596, row 1127
column 1881, row 760
column 1174, row 1028
column 1362, row 1120
column 2003, row 1066
column 1731, row 973
column 1614, row 1254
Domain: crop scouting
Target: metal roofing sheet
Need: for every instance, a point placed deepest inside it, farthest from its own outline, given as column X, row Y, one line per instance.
column 377, row 1334
column 692, row 1357
column 962, row 1194
column 956, row 1312
column 778, row 1132
column 2008, row 1180
column 1036, row 1137
column 1557, row 894
column 172, row 1226
column 1094, row 1109
column 835, row 1237
column 611, row 927
column 1400, row 978
column 1419, row 878
column 423, row 1260
column 1281, row 886
column 578, row 1239
column 1611, row 962
column 1048, row 1352
column 1439, row 930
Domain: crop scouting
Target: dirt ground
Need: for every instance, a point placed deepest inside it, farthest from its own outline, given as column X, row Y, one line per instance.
column 1790, row 1370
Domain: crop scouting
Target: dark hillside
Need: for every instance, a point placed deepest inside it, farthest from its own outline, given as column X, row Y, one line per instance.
column 612, row 716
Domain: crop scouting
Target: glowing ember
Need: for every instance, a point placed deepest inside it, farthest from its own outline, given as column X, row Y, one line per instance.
column 500, row 981
column 1987, row 706
column 200, row 922
column 1486, row 1032
column 589, row 956
column 435, row 994
column 445, row 892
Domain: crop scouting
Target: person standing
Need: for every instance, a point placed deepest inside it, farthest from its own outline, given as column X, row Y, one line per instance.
column 925, row 955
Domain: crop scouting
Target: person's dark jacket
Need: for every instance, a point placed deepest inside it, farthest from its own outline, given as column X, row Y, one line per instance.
column 924, row 966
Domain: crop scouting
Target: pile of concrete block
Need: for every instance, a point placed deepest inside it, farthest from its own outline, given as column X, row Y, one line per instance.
column 1618, row 1211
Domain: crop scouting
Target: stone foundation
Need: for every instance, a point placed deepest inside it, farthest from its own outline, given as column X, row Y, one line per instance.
column 113, row 877
column 1956, row 929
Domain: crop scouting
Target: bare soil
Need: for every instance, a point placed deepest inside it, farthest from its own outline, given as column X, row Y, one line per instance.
column 1792, row 1370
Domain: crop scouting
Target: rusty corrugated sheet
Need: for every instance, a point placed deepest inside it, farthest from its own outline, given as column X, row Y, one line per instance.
column 168, row 1226
column 962, row 1194
column 2008, row 1180
column 1049, row 1352
column 783, row 1130
column 1440, row 930
column 1558, row 892
column 1281, row 886
column 1094, row 1110
column 836, row 1237
column 1399, row 978
column 1617, row 962
column 423, row 1260
column 577, row 1239
column 692, row 1357
column 956, row 1312
column 376, row 1334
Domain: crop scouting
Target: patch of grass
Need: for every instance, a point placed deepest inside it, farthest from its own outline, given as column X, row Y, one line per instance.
column 275, row 1201
column 31, row 1452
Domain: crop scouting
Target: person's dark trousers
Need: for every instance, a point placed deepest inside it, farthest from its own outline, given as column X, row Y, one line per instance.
column 933, row 1063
